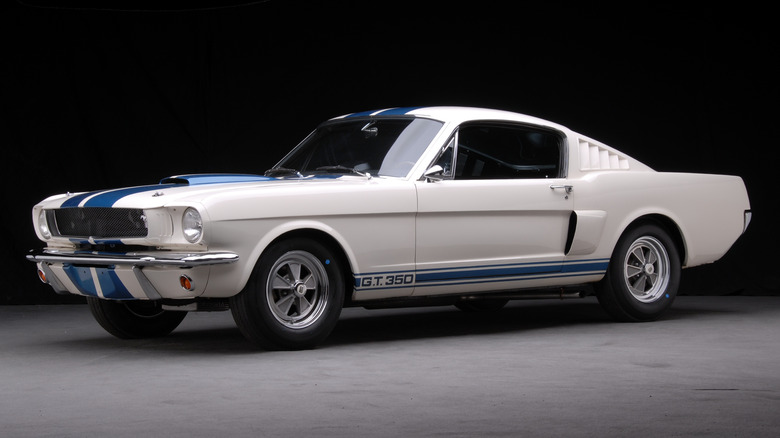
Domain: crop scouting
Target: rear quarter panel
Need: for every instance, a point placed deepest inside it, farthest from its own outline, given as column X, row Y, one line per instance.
column 707, row 209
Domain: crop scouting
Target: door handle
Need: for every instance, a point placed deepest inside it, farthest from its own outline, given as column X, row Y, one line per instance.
column 565, row 187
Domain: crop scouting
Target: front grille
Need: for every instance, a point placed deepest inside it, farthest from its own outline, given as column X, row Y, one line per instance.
column 99, row 222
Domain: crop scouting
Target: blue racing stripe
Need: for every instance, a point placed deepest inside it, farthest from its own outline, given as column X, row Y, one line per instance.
column 491, row 280
column 488, row 272
column 398, row 111
column 362, row 113
column 74, row 201
column 533, row 271
column 107, row 199
column 111, row 285
column 479, row 274
column 82, row 278
column 107, row 242
column 214, row 178
column 592, row 265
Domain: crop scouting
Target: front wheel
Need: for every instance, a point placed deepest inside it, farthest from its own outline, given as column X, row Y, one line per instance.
column 293, row 298
column 134, row 319
column 643, row 275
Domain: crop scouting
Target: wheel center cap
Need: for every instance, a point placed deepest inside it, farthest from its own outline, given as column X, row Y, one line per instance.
column 649, row 269
column 299, row 289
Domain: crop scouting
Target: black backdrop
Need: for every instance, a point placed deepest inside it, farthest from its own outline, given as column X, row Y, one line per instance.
column 100, row 98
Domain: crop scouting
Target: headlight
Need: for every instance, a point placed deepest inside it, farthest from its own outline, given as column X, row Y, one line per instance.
column 43, row 226
column 192, row 225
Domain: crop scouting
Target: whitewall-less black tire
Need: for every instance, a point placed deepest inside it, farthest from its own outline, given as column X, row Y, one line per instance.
column 294, row 297
column 643, row 275
column 134, row 319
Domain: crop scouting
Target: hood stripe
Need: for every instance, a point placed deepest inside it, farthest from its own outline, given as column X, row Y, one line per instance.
column 106, row 198
column 214, row 178
column 74, row 201
column 109, row 198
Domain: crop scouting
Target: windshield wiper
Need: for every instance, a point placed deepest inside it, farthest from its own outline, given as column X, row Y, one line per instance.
column 344, row 169
column 280, row 171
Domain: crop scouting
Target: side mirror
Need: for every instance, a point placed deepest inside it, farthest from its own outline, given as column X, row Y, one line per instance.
column 435, row 173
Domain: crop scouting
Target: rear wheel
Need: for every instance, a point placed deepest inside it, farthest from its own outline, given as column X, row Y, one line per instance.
column 294, row 298
column 643, row 275
column 134, row 319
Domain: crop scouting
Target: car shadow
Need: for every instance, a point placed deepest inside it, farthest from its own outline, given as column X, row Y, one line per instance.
column 220, row 341
column 361, row 326
column 374, row 326
column 517, row 317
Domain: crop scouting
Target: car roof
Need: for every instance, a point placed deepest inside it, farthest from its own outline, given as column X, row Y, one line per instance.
column 455, row 114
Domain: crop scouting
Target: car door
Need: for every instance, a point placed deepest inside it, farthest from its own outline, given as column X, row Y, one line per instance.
column 496, row 216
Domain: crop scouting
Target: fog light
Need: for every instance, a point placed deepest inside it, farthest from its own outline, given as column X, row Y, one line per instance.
column 186, row 283
column 42, row 276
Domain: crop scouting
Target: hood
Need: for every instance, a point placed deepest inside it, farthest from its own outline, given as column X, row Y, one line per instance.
column 193, row 188
column 213, row 178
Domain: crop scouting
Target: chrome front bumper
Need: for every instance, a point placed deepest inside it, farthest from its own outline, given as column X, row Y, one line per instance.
column 183, row 260
column 50, row 260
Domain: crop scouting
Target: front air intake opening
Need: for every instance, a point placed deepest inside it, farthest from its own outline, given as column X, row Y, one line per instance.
column 100, row 222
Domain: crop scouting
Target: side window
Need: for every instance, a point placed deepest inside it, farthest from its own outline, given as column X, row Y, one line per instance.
column 502, row 151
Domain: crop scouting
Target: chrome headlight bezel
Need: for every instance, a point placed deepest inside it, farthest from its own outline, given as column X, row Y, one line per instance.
column 192, row 225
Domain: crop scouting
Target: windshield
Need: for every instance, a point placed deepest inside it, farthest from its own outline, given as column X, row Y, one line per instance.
column 382, row 146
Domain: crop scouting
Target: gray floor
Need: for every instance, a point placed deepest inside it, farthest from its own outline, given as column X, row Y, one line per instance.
column 711, row 367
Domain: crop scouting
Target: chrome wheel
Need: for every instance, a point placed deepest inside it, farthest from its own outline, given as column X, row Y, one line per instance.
column 647, row 269
column 297, row 289
column 643, row 274
column 294, row 297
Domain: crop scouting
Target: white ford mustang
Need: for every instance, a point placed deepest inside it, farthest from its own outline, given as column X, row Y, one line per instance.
column 463, row 206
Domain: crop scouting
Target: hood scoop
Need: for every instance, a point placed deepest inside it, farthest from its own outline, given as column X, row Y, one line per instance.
column 213, row 178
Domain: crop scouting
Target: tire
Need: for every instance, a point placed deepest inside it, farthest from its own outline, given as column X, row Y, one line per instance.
column 643, row 275
column 294, row 297
column 487, row 305
column 134, row 319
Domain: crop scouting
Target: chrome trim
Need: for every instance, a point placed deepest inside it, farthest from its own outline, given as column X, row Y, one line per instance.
column 568, row 188
column 565, row 153
column 185, row 260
